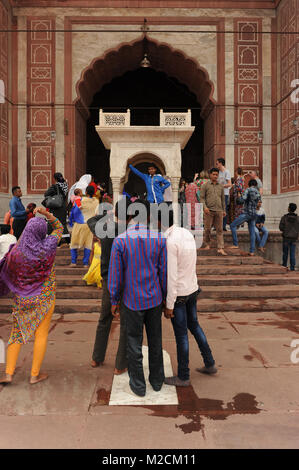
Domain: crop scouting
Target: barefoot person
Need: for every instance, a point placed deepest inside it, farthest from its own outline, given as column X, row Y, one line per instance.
column 212, row 198
column 250, row 198
column 28, row 272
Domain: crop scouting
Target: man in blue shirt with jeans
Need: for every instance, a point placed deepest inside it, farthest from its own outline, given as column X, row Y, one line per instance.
column 18, row 212
column 251, row 197
column 138, row 269
column 155, row 184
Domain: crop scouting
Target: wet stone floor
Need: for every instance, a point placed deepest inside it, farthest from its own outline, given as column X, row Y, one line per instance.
column 252, row 402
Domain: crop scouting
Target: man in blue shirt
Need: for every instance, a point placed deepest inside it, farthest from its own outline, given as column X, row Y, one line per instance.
column 138, row 269
column 18, row 212
column 250, row 198
column 155, row 184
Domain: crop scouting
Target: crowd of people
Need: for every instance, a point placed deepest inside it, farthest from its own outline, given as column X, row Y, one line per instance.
column 143, row 271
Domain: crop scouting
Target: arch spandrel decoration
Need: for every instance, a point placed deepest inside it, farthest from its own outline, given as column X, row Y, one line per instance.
column 163, row 57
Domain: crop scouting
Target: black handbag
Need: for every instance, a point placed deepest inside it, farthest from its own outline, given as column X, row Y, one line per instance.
column 54, row 202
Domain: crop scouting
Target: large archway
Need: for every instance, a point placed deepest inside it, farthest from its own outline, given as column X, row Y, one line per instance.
column 144, row 91
column 130, row 182
column 115, row 63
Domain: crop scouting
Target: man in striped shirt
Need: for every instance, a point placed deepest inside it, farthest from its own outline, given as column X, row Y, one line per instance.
column 138, row 265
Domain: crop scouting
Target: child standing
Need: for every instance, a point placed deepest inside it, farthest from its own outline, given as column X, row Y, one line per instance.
column 289, row 226
column 260, row 227
column 77, row 197
column 93, row 275
column 31, row 208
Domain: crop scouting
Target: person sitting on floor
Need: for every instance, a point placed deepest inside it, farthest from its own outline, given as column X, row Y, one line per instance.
column 289, row 226
column 77, row 197
column 93, row 275
column 6, row 239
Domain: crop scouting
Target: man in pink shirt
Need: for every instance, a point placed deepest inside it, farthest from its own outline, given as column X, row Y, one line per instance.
column 182, row 291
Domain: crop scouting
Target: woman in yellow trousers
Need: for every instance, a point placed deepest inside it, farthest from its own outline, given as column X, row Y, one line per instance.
column 28, row 271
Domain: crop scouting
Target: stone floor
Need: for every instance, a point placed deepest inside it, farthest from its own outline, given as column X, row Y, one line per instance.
column 252, row 402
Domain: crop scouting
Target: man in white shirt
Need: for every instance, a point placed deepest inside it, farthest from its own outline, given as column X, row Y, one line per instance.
column 225, row 179
column 6, row 239
column 182, row 291
column 168, row 192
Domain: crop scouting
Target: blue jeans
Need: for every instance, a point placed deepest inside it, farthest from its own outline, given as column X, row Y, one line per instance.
column 286, row 244
column 261, row 241
column 74, row 255
column 251, row 226
column 185, row 318
column 226, row 208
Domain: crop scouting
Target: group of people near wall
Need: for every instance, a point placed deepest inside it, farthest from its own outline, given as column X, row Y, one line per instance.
column 143, row 271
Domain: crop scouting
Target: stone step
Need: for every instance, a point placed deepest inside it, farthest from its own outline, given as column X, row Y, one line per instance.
column 243, row 280
column 225, row 270
column 77, row 272
column 69, row 280
column 213, row 252
column 230, row 260
column 66, row 261
column 252, row 305
column 208, row 280
column 64, row 306
column 250, row 292
column 86, row 292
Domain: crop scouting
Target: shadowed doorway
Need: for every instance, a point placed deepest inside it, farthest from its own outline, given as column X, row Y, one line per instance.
column 143, row 91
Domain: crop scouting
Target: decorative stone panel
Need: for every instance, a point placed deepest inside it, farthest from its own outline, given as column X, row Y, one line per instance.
column 41, row 96
column 288, row 21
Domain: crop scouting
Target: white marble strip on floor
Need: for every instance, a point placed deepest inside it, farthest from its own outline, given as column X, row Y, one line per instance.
column 121, row 394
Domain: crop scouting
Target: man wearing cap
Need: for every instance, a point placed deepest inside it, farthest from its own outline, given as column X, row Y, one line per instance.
column 155, row 184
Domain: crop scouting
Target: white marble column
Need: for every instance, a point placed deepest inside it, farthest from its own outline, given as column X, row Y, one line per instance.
column 267, row 110
column 229, row 96
column 22, row 110
column 175, row 180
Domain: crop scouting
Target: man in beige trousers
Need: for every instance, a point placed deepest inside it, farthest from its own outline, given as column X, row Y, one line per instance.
column 213, row 200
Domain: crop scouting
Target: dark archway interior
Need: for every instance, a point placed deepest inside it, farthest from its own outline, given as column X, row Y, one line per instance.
column 145, row 91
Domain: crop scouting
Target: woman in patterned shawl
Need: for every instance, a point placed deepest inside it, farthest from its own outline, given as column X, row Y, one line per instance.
column 191, row 198
column 28, row 272
column 238, row 187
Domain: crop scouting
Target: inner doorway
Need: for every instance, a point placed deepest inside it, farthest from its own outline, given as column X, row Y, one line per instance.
column 145, row 91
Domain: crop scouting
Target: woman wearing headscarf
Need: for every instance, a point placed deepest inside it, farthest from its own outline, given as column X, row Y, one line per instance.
column 59, row 187
column 28, row 271
column 81, row 184
column 190, row 195
column 238, row 186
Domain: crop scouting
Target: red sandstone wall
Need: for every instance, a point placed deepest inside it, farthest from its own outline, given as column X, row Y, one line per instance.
column 4, row 108
column 41, row 97
column 288, row 20
column 248, row 94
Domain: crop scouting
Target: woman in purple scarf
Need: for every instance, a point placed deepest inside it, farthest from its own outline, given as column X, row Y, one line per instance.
column 28, row 271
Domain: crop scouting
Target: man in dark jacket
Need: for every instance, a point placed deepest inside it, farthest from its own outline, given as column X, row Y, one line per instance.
column 250, row 198
column 106, row 317
column 289, row 226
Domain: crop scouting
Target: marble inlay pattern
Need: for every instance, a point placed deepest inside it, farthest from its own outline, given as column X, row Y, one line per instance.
column 121, row 393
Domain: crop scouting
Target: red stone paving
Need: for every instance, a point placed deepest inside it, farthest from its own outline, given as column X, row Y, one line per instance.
column 251, row 403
